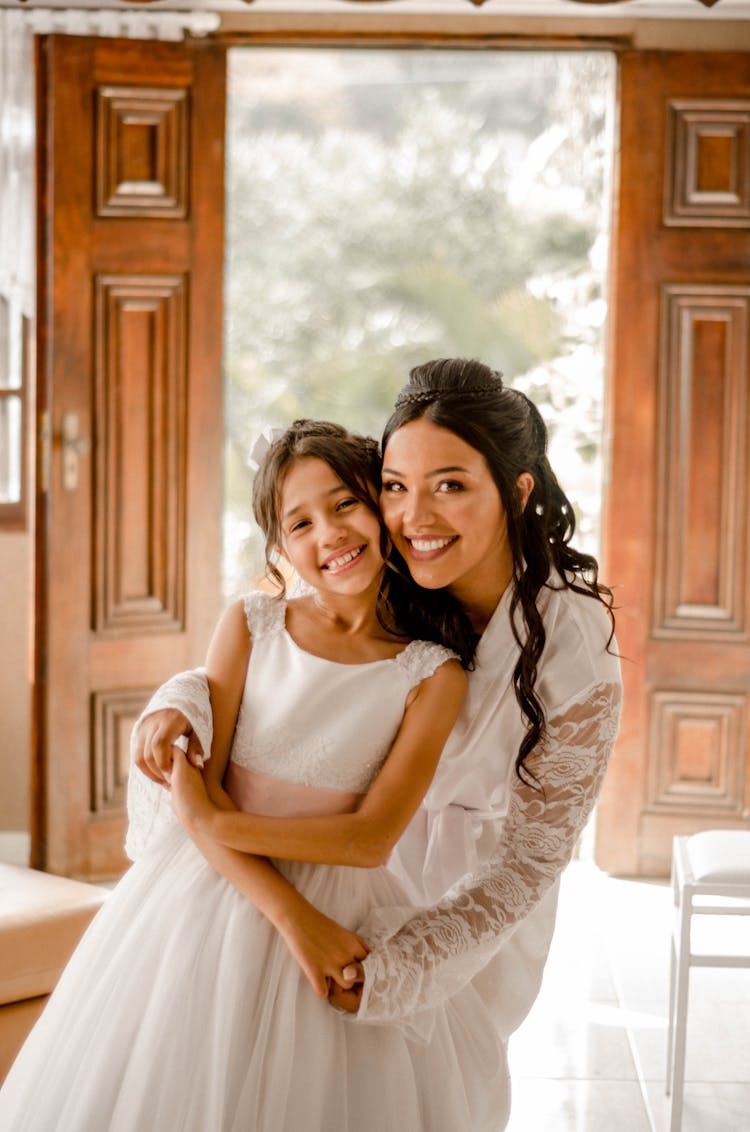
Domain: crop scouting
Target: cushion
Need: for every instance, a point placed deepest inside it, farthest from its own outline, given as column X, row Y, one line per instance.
column 720, row 856
column 42, row 917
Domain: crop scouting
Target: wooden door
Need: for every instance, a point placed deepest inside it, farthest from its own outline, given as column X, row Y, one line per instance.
column 130, row 401
column 677, row 531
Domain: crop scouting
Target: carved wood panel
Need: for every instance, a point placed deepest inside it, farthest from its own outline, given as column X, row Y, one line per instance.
column 708, row 178
column 140, row 421
column 113, row 714
column 697, row 758
column 701, row 582
column 142, row 152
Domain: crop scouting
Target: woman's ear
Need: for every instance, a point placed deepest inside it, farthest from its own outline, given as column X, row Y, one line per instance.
column 524, row 487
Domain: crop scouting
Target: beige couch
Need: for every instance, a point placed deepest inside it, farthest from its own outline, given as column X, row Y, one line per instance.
column 42, row 917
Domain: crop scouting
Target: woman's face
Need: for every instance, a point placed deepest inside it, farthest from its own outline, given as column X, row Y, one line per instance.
column 444, row 513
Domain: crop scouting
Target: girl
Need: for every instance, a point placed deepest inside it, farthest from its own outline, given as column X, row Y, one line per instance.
column 474, row 508
column 182, row 1008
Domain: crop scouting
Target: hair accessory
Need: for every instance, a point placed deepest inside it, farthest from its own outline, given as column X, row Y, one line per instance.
column 261, row 444
column 482, row 391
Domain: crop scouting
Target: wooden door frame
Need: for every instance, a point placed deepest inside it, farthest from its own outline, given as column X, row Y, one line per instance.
column 84, row 248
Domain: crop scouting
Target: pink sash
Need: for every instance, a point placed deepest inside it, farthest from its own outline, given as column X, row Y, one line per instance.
column 275, row 797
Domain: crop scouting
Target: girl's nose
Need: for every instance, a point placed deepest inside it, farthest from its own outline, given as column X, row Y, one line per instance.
column 332, row 531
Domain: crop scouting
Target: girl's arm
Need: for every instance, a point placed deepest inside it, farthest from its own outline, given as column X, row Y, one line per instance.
column 366, row 837
column 321, row 946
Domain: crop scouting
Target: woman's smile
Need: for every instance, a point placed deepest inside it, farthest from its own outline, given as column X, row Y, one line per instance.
column 429, row 549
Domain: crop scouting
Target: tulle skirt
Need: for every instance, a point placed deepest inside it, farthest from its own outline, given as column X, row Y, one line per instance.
column 182, row 1010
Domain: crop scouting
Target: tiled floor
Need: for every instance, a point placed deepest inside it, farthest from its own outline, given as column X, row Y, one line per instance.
column 591, row 1055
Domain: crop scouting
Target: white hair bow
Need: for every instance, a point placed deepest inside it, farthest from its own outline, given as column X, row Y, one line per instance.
column 261, row 444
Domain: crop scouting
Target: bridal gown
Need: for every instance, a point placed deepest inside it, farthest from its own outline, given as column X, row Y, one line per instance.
column 182, row 1009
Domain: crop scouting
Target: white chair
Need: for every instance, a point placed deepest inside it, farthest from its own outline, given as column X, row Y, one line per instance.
column 710, row 877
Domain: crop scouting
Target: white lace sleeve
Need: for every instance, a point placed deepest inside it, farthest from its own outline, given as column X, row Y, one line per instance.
column 149, row 809
column 417, row 965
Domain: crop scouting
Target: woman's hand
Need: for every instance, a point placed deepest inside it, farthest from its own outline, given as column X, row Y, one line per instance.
column 324, row 950
column 348, row 999
column 190, row 800
column 154, row 745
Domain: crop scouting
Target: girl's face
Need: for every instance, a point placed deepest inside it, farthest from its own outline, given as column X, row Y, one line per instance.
column 444, row 512
column 328, row 535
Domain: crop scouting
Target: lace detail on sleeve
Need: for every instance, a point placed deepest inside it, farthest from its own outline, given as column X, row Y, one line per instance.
column 265, row 614
column 149, row 808
column 417, row 965
column 421, row 659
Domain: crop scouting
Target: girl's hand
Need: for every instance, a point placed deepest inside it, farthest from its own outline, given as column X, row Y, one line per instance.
column 323, row 949
column 190, row 800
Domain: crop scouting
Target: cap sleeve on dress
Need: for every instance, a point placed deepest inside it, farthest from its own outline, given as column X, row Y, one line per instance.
column 421, row 659
column 265, row 614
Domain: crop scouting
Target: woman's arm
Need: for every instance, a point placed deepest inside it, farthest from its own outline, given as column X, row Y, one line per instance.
column 440, row 949
column 366, row 837
column 179, row 707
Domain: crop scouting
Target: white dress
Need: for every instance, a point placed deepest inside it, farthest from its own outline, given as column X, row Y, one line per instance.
column 484, row 852
column 182, row 1008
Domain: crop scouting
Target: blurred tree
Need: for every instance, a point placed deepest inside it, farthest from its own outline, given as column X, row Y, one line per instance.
column 386, row 207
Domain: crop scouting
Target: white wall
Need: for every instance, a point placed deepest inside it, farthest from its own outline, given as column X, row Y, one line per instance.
column 17, row 271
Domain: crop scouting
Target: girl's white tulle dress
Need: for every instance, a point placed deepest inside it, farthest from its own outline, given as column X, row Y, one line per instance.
column 182, row 1008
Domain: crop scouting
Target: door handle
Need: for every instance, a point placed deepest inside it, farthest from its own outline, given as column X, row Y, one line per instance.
column 73, row 447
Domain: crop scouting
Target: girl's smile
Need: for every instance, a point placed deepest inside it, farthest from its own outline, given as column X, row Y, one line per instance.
column 339, row 562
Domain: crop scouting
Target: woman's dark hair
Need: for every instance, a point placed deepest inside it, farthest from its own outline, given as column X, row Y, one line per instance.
column 469, row 399
column 403, row 608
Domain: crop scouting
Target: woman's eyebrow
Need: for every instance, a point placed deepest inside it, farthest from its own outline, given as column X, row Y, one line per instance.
column 427, row 475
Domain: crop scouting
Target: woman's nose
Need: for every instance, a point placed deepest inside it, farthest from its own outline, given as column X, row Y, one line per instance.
column 416, row 510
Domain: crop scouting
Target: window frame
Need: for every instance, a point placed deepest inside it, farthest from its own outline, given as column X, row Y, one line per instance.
column 18, row 325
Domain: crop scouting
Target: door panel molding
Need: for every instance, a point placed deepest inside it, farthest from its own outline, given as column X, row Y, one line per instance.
column 139, row 504
column 701, row 583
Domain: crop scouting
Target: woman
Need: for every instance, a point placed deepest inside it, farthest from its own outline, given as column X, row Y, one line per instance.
column 474, row 507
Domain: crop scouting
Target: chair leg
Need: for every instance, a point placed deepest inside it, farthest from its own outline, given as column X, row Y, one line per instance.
column 670, row 1015
column 680, row 1019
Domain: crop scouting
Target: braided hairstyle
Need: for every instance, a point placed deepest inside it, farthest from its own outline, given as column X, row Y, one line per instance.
column 470, row 400
column 401, row 606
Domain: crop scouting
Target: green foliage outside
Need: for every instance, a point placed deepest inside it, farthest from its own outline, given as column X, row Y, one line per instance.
column 387, row 207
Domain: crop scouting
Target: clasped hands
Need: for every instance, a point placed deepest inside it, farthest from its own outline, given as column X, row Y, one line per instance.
column 169, row 765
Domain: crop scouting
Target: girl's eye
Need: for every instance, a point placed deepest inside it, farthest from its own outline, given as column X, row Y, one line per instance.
column 299, row 525
column 343, row 503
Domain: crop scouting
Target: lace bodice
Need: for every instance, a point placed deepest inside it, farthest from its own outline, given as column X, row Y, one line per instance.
column 317, row 722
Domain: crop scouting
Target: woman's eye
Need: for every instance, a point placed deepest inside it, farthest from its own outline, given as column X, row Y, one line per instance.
column 392, row 487
column 446, row 486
